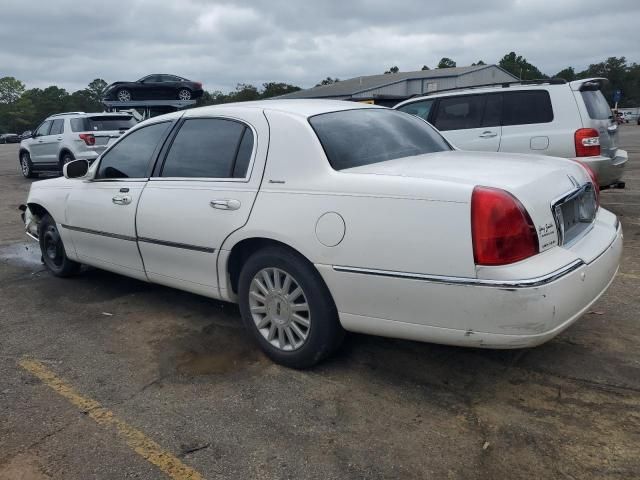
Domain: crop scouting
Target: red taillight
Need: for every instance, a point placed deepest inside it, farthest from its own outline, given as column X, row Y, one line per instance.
column 501, row 228
column 198, row 85
column 88, row 138
column 587, row 142
column 594, row 180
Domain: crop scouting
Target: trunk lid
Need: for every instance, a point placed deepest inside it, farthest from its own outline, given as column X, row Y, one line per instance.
column 539, row 182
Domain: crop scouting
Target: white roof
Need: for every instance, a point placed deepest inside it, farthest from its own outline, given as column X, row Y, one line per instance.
column 302, row 107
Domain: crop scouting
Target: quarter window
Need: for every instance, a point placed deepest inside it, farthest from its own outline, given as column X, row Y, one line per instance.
column 209, row 148
column 455, row 113
column 131, row 156
column 44, row 129
column 419, row 109
column 57, row 127
column 526, row 107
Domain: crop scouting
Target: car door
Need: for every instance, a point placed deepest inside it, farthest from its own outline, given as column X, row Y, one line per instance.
column 203, row 191
column 527, row 123
column 101, row 212
column 151, row 88
column 470, row 122
column 38, row 143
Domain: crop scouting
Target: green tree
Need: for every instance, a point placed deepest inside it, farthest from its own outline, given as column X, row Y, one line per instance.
column 10, row 89
column 96, row 90
column 446, row 62
column 393, row 69
column 517, row 65
column 275, row 89
column 424, row 67
column 479, row 62
column 327, row 81
column 244, row 92
column 569, row 74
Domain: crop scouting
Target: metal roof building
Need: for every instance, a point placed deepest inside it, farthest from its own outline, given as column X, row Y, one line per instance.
column 391, row 88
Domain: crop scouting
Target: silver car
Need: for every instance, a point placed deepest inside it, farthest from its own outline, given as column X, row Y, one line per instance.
column 548, row 117
column 64, row 137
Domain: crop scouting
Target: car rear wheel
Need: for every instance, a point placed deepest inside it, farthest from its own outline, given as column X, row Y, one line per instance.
column 124, row 95
column 26, row 167
column 184, row 94
column 288, row 309
column 54, row 255
column 66, row 158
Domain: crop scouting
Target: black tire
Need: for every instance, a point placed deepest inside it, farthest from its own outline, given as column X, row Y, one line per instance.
column 123, row 94
column 324, row 334
column 54, row 255
column 184, row 94
column 66, row 158
column 26, row 166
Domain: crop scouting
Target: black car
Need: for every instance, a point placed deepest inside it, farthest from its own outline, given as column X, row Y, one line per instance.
column 154, row 87
column 9, row 138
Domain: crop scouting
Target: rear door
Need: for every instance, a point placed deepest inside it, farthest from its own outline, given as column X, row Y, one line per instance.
column 597, row 114
column 203, row 191
column 101, row 212
column 527, row 122
column 470, row 122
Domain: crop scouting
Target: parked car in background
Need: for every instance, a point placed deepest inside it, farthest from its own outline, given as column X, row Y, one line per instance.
column 569, row 120
column 9, row 138
column 273, row 205
column 25, row 134
column 70, row 136
column 154, row 87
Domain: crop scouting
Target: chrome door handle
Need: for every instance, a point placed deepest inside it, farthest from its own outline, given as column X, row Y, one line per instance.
column 121, row 199
column 225, row 204
column 488, row 134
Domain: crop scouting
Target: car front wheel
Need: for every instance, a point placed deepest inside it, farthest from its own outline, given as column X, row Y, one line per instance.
column 54, row 255
column 124, row 95
column 288, row 309
column 26, row 167
column 184, row 94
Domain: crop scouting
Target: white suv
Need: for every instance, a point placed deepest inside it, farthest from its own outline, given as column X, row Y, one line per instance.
column 570, row 120
column 70, row 136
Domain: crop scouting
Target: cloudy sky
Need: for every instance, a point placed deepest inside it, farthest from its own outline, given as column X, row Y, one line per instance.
column 69, row 43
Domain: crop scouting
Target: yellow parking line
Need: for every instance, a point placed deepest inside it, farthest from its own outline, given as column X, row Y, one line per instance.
column 135, row 439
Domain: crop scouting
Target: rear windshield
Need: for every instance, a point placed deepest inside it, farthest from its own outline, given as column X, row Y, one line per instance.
column 596, row 104
column 102, row 123
column 352, row 138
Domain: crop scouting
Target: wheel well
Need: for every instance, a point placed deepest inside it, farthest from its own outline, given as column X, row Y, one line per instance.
column 242, row 250
column 62, row 152
column 38, row 210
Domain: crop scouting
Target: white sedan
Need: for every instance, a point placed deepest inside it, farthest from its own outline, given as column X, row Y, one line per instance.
column 324, row 216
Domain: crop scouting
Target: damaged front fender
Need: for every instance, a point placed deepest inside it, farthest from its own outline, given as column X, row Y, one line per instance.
column 30, row 221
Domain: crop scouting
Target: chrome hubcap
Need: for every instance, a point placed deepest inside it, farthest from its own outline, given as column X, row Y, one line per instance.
column 184, row 94
column 279, row 309
column 124, row 96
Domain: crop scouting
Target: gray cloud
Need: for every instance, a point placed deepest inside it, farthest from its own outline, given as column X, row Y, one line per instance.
column 69, row 43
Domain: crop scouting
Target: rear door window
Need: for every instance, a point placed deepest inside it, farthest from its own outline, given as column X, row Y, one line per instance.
column 492, row 111
column 131, row 156
column 57, row 127
column 419, row 109
column 526, row 107
column 597, row 106
column 456, row 113
column 209, row 148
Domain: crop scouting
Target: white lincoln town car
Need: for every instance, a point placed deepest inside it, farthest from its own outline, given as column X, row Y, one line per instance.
column 318, row 217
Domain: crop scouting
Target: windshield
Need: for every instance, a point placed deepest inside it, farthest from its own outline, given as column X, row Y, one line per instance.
column 352, row 138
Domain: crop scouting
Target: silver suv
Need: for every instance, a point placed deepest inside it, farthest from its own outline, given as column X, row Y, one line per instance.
column 569, row 120
column 70, row 136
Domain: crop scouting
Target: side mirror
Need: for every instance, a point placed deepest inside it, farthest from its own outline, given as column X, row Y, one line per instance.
column 75, row 169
